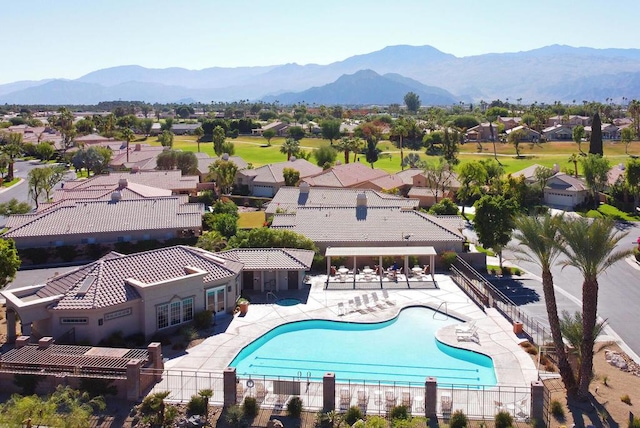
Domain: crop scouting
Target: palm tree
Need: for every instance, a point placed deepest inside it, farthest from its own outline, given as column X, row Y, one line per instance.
column 400, row 131
column 571, row 327
column 198, row 132
column 574, row 158
column 206, row 394
column 590, row 247
column 290, row 147
column 128, row 135
column 537, row 236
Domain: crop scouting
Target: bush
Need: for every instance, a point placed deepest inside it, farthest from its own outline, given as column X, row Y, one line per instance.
column 294, row 407
column 376, row 422
column 557, row 410
column 197, row 405
column 448, row 257
column 202, row 319
column 250, row 407
column 458, row 420
column 635, row 423
column 352, row 415
column 399, row 412
column 234, row 416
column 189, row 333
column 626, row 399
column 503, row 420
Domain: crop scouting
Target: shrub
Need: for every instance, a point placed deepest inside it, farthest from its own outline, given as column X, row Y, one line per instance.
column 294, row 407
column 250, row 407
column 197, row 405
column 234, row 416
column 448, row 257
column 189, row 333
column 352, row 415
column 626, row 399
column 202, row 319
column 98, row 387
column 376, row 422
column 399, row 412
column 635, row 423
column 503, row 419
column 458, row 420
column 556, row 409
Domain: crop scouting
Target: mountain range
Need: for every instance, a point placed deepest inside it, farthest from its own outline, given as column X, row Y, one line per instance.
column 552, row 73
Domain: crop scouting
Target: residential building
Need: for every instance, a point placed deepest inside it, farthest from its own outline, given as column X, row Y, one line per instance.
column 565, row 192
column 266, row 180
column 205, row 161
column 354, row 175
column 529, row 134
column 169, row 180
column 140, row 158
column 558, row 132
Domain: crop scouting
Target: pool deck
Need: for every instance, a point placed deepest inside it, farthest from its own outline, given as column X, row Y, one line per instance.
column 495, row 337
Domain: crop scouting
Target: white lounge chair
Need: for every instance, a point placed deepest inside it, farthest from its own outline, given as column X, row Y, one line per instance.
column 467, row 327
column 359, row 306
column 471, row 336
column 407, row 400
column 352, row 306
column 341, row 310
column 446, row 404
column 387, row 298
column 376, row 300
column 368, row 304
column 345, row 398
column 390, row 398
column 363, row 398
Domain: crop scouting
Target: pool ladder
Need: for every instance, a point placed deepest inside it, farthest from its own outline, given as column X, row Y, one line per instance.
column 437, row 311
column 272, row 294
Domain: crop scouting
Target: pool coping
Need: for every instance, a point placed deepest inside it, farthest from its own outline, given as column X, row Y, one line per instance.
column 513, row 366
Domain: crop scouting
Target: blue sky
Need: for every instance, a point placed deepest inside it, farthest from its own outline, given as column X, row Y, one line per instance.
column 69, row 38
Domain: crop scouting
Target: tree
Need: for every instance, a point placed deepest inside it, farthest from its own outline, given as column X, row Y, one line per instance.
column 542, row 175
column 627, row 135
column 493, row 141
column 450, row 147
column 372, row 152
column 445, row 207
column 574, row 159
column 128, row 135
column 330, row 130
column 14, row 207
column 578, row 135
column 264, row 237
column 198, row 132
column 296, row 132
column 595, row 142
column 166, row 138
column 348, row 145
column 268, row 135
column 219, row 137
column 64, row 124
column 187, row 163
column 45, row 151
column 224, row 174
column 515, row 138
column 36, row 182
column 471, row 175
column 206, row 394
column 589, row 246
column 634, row 111
column 494, row 222
column 167, row 125
column 412, row 160
column 412, row 101
column 291, row 176
column 166, row 160
column 325, row 155
column 290, row 147
column 399, row 130
column 229, row 148
column 537, row 238
column 572, row 330
column 96, row 159
column 632, row 179
column 438, row 175
column 211, row 241
column 12, row 149
column 9, row 261
column 225, row 224
column 596, row 174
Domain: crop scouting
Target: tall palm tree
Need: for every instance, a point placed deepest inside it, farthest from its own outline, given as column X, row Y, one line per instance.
column 290, row 147
column 128, row 135
column 590, row 247
column 400, row 131
column 574, row 159
column 537, row 236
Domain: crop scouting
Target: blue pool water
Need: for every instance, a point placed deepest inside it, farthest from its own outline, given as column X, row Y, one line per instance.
column 403, row 349
column 289, row 301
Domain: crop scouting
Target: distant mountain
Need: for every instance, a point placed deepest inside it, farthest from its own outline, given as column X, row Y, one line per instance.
column 366, row 87
column 552, row 73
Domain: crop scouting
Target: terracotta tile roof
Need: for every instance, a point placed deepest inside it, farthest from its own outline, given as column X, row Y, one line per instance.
column 100, row 216
column 272, row 173
column 388, row 182
column 366, row 224
column 270, row 258
column 143, row 157
column 290, row 198
column 205, row 161
column 346, row 175
column 565, row 182
column 615, row 173
column 172, row 180
column 407, row 175
column 109, row 274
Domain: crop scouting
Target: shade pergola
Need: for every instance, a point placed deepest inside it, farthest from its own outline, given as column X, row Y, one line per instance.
column 380, row 252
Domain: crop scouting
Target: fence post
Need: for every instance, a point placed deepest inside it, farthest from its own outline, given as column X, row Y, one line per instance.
column 329, row 392
column 537, row 403
column 431, row 397
column 229, row 386
column 133, row 379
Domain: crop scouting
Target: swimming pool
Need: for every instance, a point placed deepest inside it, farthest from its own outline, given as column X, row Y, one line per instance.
column 403, row 349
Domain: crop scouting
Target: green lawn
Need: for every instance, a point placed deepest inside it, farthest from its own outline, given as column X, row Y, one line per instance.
column 606, row 210
column 251, row 220
column 10, row 183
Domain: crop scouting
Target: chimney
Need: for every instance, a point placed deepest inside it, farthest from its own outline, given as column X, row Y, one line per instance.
column 361, row 200
column 45, row 342
column 556, row 168
column 122, row 183
column 304, row 187
column 116, row 196
column 225, row 156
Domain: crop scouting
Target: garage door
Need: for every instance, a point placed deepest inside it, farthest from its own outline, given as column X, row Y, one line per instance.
column 557, row 199
column 264, row 191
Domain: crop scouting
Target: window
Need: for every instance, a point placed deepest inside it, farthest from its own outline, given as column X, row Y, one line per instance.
column 170, row 314
column 187, row 309
column 118, row 314
column 73, row 320
column 163, row 316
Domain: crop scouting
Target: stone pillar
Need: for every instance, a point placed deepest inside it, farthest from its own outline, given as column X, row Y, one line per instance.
column 11, row 326
column 133, row 380
column 229, row 385
column 329, row 392
column 431, row 397
column 537, row 403
column 22, row 341
column 155, row 359
column 26, row 329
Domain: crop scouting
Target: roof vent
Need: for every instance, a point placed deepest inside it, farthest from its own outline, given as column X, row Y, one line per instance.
column 122, row 183
column 86, row 284
column 292, row 159
column 361, row 200
column 304, row 187
column 225, row 156
column 556, row 168
column 116, row 196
